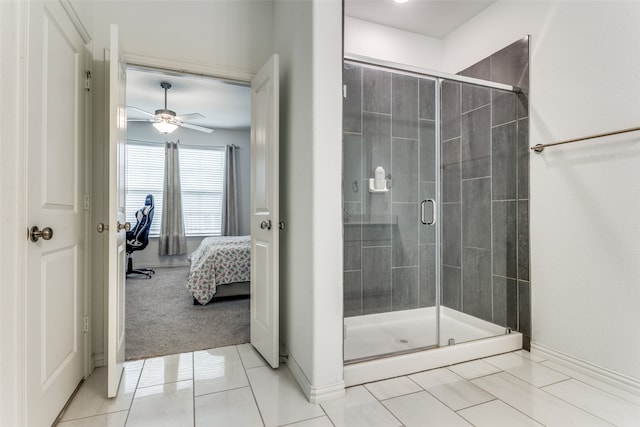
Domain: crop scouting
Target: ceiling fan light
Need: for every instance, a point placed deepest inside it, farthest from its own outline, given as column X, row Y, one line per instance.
column 165, row 127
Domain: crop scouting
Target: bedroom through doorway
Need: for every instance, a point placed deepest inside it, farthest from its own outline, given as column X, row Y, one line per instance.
column 188, row 202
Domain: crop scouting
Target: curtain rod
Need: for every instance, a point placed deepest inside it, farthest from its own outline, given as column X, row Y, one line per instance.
column 181, row 143
column 539, row 148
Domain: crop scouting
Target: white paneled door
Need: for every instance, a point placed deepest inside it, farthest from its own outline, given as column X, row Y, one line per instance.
column 117, row 75
column 55, row 117
column 264, row 212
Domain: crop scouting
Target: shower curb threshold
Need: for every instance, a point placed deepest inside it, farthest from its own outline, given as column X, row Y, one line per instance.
column 405, row 364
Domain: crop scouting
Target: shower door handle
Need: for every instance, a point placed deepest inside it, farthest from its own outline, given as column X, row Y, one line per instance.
column 433, row 212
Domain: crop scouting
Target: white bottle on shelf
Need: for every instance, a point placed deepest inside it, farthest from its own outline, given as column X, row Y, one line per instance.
column 379, row 182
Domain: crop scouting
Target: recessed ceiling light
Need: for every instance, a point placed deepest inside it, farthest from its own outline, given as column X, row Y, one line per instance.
column 400, row 1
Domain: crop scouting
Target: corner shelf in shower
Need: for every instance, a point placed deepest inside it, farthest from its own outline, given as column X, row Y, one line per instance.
column 372, row 189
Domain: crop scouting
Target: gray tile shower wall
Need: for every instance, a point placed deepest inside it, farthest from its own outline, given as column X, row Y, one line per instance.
column 389, row 256
column 494, row 146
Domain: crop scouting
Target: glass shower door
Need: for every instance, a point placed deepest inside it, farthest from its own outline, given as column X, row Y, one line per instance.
column 390, row 171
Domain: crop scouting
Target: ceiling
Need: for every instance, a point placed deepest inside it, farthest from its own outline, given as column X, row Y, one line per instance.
column 224, row 104
column 227, row 105
column 432, row 18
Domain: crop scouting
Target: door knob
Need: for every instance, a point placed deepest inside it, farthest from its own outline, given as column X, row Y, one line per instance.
column 266, row 224
column 35, row 234
column 102, row 227
column 126, row 226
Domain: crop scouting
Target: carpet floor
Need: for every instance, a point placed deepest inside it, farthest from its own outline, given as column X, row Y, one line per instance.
column 161, row 318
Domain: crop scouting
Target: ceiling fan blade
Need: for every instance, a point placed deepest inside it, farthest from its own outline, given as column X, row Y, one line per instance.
column 192, row 116
column 136, row 109
column 141, row 120
column 195, row 127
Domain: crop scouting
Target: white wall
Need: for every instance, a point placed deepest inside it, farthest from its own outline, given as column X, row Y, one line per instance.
column 220, row 137
column 308, row 40
column 585, row 197
column 391, row 44
column 232, row 35
column 223, row 38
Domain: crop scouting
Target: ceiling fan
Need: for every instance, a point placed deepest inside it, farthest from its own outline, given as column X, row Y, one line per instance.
column 166, row 121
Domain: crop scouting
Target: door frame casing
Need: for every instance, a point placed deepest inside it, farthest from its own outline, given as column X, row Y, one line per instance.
column 149, row 62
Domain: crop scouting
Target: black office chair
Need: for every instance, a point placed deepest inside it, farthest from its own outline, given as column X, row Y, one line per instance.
column 138, row 237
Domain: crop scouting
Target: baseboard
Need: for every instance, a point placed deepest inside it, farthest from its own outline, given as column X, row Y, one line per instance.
column 605, row 375
column 98, row 360
column 314, row 394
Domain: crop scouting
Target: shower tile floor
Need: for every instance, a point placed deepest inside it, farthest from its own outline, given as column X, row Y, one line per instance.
column 233, row 386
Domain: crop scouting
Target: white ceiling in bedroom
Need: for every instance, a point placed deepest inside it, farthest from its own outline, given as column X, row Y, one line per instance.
column 224, row 104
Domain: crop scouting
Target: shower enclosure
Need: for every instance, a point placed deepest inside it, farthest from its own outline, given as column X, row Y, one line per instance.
column 430, row 198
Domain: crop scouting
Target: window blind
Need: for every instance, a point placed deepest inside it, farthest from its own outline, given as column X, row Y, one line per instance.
column 201, row 176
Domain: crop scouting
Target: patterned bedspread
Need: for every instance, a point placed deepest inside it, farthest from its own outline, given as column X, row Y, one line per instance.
column 218, row 261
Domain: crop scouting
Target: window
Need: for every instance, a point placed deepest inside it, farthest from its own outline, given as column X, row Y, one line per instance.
column 201, row 176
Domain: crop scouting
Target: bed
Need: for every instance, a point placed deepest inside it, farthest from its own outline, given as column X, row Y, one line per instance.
column 224, row 260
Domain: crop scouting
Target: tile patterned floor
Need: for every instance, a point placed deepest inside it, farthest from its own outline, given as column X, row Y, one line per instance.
column 233, row 386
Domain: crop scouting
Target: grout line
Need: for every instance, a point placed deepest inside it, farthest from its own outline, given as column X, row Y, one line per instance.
column 383, row 405
column 307, row 419
column 487, row 375
column 573, row 404
column 476, row 404
column 87, row 417
column 510, row 406
column 472, row 110
column 505, row 277
column 477, row 177
column 402, row 395
column 407, row 139
column 327, row 415
column 554, row 383
column 375, row 112
column 135, row 392
column 448, row 141
column 504, row 124
column 222, row 391
column 255, row 401
column 592, row 385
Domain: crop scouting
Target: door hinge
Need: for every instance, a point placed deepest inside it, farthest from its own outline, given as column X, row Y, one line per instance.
column 87, row 202
column 87, row 81
column 86, row 324
column 344, row 91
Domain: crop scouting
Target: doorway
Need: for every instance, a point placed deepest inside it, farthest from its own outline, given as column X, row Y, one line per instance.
column 183, row 302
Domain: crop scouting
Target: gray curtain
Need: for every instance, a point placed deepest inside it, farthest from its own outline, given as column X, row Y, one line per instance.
column 230, row 193
column 172, row 237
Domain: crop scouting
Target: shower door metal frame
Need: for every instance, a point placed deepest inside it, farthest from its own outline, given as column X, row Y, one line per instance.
column 438, row 77
column 425, row 72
